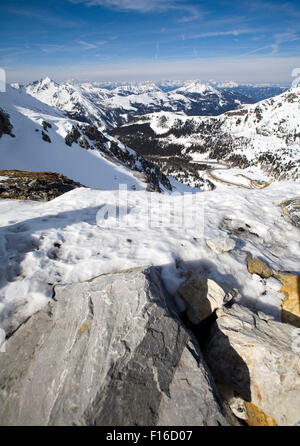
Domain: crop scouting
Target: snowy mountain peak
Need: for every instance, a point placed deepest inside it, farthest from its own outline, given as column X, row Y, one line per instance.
column 196, row 86
column 226, row 84
column 16, row 85
column 46, row 82
column 137, row 88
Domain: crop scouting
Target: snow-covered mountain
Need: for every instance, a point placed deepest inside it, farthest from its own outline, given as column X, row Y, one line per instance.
column 266, row 134
column 225, row 84
column 79, row 102
column 207, row 100
column 111, row 107
column 197, row 87
column 137, row 88
column 38, row 137
column 257, row 92
column 168, row 85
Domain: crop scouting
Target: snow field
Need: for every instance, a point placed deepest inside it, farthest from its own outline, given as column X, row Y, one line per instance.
column 72, row 239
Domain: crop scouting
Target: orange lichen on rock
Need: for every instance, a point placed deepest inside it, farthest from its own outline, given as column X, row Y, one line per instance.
column 83, row 328
column 290, row 306
column 256, row 417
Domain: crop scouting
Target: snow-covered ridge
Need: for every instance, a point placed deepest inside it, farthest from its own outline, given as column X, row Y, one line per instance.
column 112, row 106
column 266, row 133
column 78, row 102
column 137, row 88
column 226, row 84
column 197, row 87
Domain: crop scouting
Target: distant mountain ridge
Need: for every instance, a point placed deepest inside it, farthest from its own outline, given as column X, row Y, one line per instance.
column 107, row 108
column 128, row 111
column 266, row 134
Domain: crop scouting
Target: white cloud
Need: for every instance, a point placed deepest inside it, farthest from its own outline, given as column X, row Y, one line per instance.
column 87, row 45
column 46, row 17
column 234, row 32
column 278, row 40
column 143, row 6
column 135, row 5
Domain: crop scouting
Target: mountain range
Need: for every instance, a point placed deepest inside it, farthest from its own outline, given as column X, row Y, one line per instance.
column 186, row 122
column 111, row 105
column 265, row 135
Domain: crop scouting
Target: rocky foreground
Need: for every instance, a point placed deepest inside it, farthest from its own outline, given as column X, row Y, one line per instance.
column 208, row 337
column 115, row 351
column 111, row 351
column 24, row 185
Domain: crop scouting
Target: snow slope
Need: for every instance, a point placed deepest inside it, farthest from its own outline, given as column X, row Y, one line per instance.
column 86, row 232
column 28, row 151
column 198, row 87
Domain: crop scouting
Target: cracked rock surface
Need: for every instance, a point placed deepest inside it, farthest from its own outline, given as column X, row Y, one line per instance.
column 259, row 359
column 110, row 351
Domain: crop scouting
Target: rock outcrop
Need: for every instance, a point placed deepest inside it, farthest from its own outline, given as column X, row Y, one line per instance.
column 5, row 124
column 292, row 209
column 46, row 137
column 257, row 266
column 202, row 297
column 72, row 136
column 110, row 351
column 290, row 306
column 258, row 359
column 24, row 185
column 256, row 417
column 220, row 244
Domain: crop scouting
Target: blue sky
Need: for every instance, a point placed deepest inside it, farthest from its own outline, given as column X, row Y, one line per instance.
column 150, row 39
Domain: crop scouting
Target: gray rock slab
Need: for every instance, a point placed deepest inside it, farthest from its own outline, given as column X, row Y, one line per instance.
column 110, row 351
